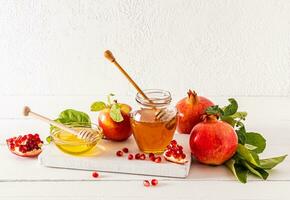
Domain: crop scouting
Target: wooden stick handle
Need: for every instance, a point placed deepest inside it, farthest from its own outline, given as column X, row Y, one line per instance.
column 28, row 112
column 109, row 55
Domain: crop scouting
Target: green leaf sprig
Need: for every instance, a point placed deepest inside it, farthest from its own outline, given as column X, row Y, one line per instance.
column 246, row 160
column 115, row 108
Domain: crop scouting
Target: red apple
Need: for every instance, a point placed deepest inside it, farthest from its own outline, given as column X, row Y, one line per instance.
column 113, row 130
column 212, row 141
column 114, row 119
column 190, row 109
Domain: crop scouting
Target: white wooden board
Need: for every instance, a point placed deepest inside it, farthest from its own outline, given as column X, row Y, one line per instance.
column 104, row 159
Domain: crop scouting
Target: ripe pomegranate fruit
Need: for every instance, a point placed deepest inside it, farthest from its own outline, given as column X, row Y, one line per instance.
column 25, row 146
column 190, row 109
column 174, row 153
column 213, row 141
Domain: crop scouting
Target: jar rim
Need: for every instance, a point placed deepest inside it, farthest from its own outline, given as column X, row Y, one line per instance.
column 157, row 98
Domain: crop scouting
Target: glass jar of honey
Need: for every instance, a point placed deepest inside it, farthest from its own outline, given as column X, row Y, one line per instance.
column 154, row 123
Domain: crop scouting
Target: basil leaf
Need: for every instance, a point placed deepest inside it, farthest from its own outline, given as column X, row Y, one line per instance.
column 98, row 106
column 115, row 113
column 257, row 140
column 214, row 110
column 71, row 116
column 238, row 170
column 248, row 155
column 232, row 108
column 270, row 163
column 256, row 171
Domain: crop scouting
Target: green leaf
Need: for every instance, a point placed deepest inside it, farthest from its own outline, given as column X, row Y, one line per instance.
column 270, row 163
column 256, row 171
column 71, row 116
column 115, row 113
column 232, row 108
column 248, row 155
column 229, row 119
column 214, row 110
column 256, row 140
column 250, row 147
column 49, row 139
column 241, row 132
column 240, row 115
column 238, row 170
column 98, row 106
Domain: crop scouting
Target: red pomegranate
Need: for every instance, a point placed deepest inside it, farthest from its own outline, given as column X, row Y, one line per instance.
column 190, row 109
column 25, row 146
column 213, row 141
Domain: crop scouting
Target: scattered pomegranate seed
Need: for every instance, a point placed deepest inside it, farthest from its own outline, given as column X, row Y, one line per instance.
column 146, row 183
column 157, row 159
column 95, row 174
column 125, row 150
column 119, row 153
column 130, row 157
column 142, row 156
column 151, row 155
column 137, row 156
column 154, row 182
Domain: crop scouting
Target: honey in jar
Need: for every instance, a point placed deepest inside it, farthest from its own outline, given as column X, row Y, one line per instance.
column 154, row 123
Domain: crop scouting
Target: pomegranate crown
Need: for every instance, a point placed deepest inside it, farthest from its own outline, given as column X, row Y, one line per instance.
column 192, row 96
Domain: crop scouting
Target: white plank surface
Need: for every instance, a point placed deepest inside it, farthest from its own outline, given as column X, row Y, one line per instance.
column 32, row 181
column 103, row 158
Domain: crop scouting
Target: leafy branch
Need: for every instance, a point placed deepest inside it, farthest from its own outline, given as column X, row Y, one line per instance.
column 246, row 160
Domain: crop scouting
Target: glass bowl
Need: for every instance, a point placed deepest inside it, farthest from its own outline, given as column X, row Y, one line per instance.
column 70, row 143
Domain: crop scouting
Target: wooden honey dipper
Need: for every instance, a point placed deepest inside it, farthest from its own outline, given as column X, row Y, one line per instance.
column 87, row 135
column 159, row 113
column 108, row 54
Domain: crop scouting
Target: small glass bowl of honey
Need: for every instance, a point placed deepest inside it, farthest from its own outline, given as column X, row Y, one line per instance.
column 70, row 143
column 154, row 124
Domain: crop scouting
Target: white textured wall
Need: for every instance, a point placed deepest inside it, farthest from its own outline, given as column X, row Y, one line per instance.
column 225, row 47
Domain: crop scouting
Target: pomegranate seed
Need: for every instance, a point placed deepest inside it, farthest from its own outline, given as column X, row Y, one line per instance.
column 154, row 182
column 137, row 156
column 157, row 159
column 130, row 157
column 152, row 158
column 180, row 147
column 142, row 156
column 95, row 174
column 173, row 142
column 125, row 150
column 119, row 153
column 146, row 183
column 151, row 155
column 168, row 153
column 183, row 156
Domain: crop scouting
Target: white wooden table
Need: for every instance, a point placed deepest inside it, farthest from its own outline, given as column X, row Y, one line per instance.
column 22, row 178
